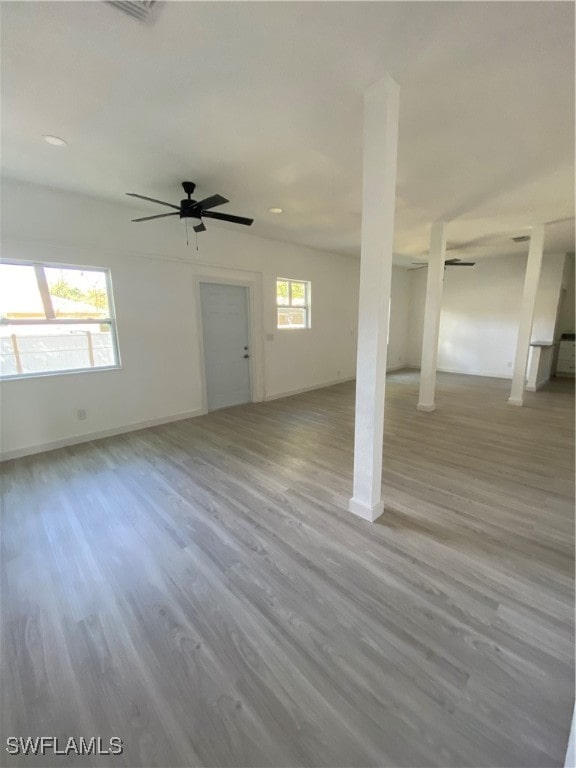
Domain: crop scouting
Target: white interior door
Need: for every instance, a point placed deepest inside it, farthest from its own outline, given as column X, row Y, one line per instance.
column 226, row 336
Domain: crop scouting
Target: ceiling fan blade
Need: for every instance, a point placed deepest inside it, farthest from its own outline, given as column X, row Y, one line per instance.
column 452, row 261
column 152, row 200
column 228, row 217
column 199, row 227
column 460, row 264
column 211, row 202
column 159, row 216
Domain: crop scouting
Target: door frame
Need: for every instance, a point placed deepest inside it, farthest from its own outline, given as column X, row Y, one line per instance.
column 252, row 281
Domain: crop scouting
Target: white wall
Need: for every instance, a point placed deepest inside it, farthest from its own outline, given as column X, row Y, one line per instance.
column 417, row 279
column 399, row 319
column 566, row 313
column 480, row 309
column 548, row 298
column 153, row 282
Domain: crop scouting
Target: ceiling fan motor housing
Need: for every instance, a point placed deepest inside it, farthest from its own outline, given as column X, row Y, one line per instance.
column 187, row 204
column 187, row 210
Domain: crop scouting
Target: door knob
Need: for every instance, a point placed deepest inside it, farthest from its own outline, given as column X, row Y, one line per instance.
column 245, row 356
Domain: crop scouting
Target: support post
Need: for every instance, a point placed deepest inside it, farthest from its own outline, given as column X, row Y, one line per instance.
column 533, row 268
column 434, row 285
column 381, row 108
column 570, row 761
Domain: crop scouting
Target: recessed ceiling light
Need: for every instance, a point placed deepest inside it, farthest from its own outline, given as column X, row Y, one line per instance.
column 274, row 210
column 55, row 141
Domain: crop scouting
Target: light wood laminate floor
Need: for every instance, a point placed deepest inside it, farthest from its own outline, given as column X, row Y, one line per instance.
column 200, row 591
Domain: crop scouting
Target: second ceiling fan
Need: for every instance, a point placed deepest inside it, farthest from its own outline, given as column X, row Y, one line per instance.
column 447, row 263
column 194, row 209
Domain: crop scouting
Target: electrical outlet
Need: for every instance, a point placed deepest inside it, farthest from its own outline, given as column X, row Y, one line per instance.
column 81, row 413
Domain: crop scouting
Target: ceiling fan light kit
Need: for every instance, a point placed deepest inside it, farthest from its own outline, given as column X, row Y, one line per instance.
column 193, row 209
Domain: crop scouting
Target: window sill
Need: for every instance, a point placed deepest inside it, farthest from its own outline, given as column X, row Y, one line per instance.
column 42, row 374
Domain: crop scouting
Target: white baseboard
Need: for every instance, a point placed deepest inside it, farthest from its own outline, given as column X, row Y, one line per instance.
column 29, row 450
column 486, row 374
column 538, row 385
column 364, row 511
column 279, row 395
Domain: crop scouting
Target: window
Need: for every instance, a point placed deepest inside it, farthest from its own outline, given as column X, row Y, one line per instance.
column 55, row 319
column 293, row 303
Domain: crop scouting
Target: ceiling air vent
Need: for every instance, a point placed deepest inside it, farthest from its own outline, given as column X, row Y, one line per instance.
column 138, row 9
column 521, row 238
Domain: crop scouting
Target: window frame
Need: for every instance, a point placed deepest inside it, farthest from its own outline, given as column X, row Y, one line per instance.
column 307, row 306
column 53, row 320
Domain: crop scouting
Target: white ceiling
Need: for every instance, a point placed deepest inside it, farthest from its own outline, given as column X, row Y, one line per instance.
column 262, row 102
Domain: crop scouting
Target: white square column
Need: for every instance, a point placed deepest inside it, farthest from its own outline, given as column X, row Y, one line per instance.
column 531, row 280
column 381, row 109
column 432, row 309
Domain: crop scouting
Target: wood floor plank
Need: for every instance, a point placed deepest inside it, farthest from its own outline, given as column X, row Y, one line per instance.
column 200, row 590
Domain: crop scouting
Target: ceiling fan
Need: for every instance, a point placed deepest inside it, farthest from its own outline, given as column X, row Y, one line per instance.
column 194, row 209
column 486, row 243
column 447, row 263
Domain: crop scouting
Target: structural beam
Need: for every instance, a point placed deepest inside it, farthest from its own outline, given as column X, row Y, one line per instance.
column 433, row 306
column 381, row 106
column 533, row 268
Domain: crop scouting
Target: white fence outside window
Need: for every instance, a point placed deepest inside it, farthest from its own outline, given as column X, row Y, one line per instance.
column 25, row 354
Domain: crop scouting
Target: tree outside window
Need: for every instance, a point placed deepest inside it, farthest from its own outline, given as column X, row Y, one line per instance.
column 292, row 304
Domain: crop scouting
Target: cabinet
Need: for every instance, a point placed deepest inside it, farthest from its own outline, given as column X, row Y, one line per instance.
column 565, row 364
